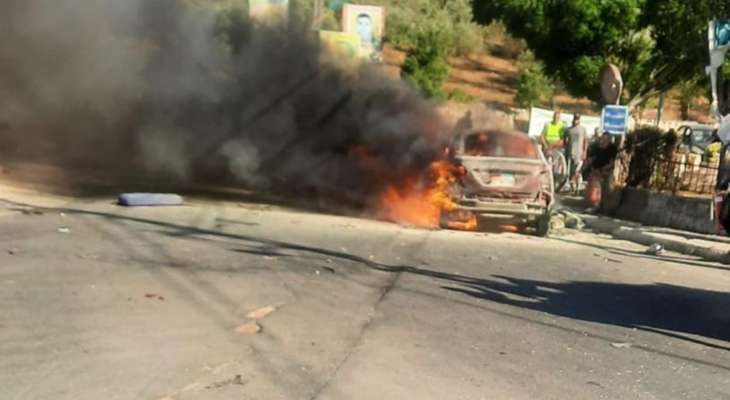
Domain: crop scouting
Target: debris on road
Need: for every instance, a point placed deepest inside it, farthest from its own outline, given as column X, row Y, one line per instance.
column 236, row 380
column 32, row 211
column 557, row 223
column 249, row 328
column 608, row 259
column 149, row 199
column 621, row 345
column 11, row 252
column 573, row 221
column 655, row 249
column 329, row 269
column 261, row 313
column 64, row 229
column 154, row 296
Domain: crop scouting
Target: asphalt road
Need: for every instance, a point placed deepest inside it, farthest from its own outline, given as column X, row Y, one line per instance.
column 99, row 301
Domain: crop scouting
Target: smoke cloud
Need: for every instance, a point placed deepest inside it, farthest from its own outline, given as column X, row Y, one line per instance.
column 166, row 88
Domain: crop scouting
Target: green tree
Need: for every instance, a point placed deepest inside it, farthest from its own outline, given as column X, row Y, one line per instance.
column 574, row 38
column 687, row 92
column 656, row 43
column 533, row 87
column 426, row 65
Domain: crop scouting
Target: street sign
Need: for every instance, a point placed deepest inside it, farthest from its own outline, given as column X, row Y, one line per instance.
column 615, row 119
column 721, row 33
column 611, row 84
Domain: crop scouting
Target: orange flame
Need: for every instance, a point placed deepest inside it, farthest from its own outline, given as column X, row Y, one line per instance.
column 420, row 202
column 416, row 200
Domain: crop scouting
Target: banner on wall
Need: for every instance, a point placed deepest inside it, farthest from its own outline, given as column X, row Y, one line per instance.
column 367, row 22
column 345, row 46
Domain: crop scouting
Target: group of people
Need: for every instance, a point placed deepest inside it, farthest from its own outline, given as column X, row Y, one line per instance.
column 585, row 157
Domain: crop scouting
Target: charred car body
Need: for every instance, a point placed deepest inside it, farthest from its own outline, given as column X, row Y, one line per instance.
column 505, row 176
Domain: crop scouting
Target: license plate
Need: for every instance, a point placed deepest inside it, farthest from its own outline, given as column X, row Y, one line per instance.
column 503, row 180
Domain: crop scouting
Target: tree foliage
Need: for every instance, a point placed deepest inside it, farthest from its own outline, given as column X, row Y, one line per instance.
column 533, row 87
column 426, row 65
column 655, row 43
column 687, row 92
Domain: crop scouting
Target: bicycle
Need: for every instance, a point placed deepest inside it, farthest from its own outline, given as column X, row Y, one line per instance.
column 560, row 167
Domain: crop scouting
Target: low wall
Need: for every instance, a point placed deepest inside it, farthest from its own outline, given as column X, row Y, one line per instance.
column 659, row 209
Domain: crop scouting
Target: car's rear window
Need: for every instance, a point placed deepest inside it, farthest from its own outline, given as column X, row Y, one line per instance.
column 499, row 144
column 702, row 135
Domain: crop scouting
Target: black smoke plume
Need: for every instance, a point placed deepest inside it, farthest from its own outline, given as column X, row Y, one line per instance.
column 170, row 90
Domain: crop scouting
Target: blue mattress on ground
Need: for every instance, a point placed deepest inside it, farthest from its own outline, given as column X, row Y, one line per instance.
column 149, row 199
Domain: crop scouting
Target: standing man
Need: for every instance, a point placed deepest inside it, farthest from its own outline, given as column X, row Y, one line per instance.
column 601, row 164
column 576, row 150
column 552, row 134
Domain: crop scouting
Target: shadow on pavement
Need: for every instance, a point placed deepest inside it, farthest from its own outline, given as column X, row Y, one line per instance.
column 665, row 309
column 638, row 254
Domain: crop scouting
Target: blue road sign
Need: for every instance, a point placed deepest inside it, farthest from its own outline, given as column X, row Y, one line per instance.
column 722, row 32
column 615, row 119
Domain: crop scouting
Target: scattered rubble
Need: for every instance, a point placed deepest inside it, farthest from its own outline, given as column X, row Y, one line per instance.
column 236, row 380
column 621, row 345
column 31, row 211
column 261, row 313
column 655, row 249
column 249, row 328
column 154, row 296
column 557, row 222
column 64, row 229
column 573, row 221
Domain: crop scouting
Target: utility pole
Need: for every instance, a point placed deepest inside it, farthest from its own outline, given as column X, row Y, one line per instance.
column 660, row 109
column 317, row 14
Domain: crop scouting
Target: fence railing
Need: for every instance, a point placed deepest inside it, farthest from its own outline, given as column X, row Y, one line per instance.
column 679, row 173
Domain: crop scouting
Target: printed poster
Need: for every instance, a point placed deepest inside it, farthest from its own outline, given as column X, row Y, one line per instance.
column 367, row 22
column 341, row 44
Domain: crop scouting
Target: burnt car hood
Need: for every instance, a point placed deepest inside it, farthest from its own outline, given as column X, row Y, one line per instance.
column 497, row 176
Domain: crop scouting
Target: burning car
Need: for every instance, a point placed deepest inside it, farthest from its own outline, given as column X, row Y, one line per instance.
column 505, row 176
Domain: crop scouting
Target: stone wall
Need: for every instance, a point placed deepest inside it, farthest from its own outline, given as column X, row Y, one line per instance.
column 660, row 209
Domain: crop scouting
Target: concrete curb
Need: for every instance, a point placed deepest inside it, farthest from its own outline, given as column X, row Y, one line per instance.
column 636, row 235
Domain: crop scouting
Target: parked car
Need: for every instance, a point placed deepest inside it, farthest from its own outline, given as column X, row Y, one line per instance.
column 696, row 137
column 506, row 177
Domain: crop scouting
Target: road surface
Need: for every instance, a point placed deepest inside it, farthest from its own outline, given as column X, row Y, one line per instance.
column 103, row 302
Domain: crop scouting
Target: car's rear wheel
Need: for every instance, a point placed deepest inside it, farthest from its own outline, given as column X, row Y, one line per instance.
column 542, row 226
column 444, row 220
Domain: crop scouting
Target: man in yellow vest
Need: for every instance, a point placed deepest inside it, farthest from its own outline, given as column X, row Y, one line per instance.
column 553, row 133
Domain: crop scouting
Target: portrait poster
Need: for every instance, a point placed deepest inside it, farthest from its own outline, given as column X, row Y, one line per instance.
column 368, row 22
